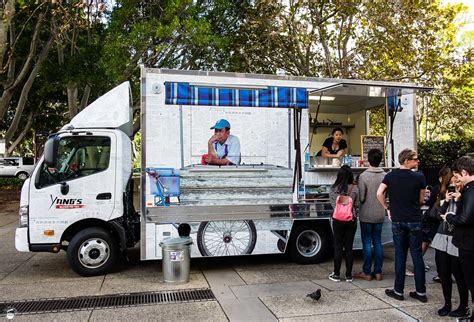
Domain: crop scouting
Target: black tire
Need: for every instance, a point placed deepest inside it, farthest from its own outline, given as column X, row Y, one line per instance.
column 22, row 175
column 308, row 244
column 92, row 251
column 225, row 238
column 281, row 245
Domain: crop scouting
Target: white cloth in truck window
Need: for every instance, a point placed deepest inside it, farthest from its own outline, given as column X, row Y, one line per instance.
column 229, row 150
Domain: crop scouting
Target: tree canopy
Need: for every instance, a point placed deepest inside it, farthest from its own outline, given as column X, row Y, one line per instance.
column 59, row 55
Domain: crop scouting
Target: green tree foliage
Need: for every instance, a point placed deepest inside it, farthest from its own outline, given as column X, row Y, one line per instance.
column 378, row 40
column 92, row 50
column 30, row 38
column 53, row 48
column 443, row 153
column 181, row 34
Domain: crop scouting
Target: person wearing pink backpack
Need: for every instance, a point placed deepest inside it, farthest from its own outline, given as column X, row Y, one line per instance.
column 344, row 198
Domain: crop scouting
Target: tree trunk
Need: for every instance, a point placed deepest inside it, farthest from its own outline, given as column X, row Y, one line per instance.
column 26, row 90
column 72, row 98
column 14, row 80
column 21, row 136
column 85, row 97
column 7, row 11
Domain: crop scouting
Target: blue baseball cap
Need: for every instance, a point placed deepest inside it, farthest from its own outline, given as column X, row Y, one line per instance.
column 221, row 124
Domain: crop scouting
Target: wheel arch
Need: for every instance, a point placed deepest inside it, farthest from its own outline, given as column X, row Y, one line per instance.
column 320, row 223
column 72, row 230
column 22, row 171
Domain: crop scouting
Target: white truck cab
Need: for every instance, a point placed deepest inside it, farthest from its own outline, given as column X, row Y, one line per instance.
column 77, row 196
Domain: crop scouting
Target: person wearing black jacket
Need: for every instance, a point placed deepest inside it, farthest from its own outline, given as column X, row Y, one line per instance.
column 447, row 255
column 463, row 220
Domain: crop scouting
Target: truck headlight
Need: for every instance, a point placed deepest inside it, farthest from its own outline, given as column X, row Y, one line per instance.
column 23, row 212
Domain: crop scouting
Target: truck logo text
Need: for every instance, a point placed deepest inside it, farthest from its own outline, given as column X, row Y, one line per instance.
column 66, row 203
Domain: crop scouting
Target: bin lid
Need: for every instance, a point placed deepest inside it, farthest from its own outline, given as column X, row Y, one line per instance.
column 177, row 241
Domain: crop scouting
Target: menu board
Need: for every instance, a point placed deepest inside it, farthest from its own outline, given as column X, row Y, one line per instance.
column 369, row 142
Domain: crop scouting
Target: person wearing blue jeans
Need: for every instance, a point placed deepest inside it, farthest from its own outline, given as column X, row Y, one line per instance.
column 371, row 234
column 371, row 217
column 406, row 194
column 408, row 235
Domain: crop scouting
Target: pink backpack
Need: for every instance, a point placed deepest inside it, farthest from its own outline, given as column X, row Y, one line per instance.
column 343, row 209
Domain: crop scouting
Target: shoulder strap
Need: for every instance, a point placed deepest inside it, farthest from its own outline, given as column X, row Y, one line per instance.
column 349, row 193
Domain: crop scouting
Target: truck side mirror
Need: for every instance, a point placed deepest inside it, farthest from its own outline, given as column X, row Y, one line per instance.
column 51, row 151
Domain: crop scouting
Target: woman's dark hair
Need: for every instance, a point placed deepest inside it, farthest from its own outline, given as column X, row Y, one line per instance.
column 337, row 129
column 344, row 178
column 445, row 176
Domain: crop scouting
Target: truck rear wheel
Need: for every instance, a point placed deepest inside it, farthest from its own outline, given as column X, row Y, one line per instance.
column 308, row 244
column 92, row 251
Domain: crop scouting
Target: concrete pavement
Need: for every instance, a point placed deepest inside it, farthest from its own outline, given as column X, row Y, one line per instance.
column 254, row 288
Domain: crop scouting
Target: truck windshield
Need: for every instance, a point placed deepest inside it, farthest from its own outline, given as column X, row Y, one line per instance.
column 78, row 156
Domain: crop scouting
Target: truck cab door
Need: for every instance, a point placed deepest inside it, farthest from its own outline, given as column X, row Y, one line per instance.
column 80, row 186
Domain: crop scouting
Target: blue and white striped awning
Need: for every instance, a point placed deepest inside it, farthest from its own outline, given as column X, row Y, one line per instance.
column 272, row 96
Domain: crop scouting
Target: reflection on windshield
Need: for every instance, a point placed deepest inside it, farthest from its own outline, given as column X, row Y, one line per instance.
column 78, row 156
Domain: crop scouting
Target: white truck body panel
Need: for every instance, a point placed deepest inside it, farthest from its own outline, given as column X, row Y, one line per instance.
column 263, row 132
column 21, row 234
column 111, row 110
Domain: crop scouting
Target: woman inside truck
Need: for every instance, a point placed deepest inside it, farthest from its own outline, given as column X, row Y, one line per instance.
column 334, row 146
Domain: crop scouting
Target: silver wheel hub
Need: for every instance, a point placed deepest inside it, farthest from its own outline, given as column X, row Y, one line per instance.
column 94, row 252
column 308, row 243
column 227, row 237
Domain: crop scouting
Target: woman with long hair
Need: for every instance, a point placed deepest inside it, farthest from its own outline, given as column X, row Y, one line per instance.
column 447, row 256
column 343, row 231
column 334, row 146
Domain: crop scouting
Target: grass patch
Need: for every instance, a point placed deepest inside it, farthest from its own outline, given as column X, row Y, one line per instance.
column 10, row 183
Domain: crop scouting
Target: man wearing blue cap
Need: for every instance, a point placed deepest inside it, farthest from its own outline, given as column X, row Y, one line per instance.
column 222, row 148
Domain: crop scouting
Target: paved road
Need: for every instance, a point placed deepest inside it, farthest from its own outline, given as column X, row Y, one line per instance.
column 247, row 289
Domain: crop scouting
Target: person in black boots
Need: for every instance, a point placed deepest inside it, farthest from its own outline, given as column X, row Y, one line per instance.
column 447, row 255
column 463, row 220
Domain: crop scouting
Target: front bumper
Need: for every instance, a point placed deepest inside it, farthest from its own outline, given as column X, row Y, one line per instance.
column 21, row 239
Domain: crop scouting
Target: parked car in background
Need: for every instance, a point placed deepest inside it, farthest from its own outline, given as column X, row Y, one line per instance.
column 20, row 167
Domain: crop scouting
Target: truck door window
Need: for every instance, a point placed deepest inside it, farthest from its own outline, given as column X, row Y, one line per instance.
column 78, row 156
column 28, row 161
column 12, row 162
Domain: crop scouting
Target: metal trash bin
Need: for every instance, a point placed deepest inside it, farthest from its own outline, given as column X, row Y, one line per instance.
column 176, row 259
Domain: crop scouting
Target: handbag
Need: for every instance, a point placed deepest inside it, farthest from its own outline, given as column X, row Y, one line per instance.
column 343, row 209
column 432, row 214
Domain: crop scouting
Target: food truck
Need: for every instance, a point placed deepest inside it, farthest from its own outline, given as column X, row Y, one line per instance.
column 83, row 198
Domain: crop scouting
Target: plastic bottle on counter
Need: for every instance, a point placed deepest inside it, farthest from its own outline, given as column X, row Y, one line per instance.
column 301, row 192
column 346, row 160
column 306, row 160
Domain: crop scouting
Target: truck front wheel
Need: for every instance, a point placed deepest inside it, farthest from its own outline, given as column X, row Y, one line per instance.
column 92, row 251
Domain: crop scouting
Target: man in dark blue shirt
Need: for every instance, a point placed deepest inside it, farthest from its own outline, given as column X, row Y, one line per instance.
column 406, row 192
